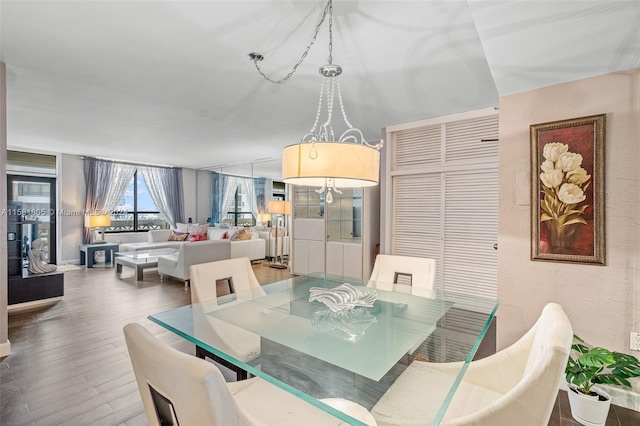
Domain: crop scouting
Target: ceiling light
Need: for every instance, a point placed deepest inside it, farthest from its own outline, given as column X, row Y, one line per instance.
column 321, row 159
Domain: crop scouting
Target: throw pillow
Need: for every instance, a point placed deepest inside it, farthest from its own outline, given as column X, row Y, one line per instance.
column 178, row 236
column 197, row 237
column 280, row 231
column 198, row 229
column 225, row 236
column 182, row 227
column 235, row 235
column 245, row 234
column 241, row 234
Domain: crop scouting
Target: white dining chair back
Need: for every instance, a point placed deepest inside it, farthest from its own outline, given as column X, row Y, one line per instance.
column 232, row 340
column 188, row 391
column 393, row 269
column 178, row 387
column 238, row 271
column 517, row 385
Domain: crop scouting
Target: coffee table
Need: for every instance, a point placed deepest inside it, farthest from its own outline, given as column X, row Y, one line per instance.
column 141, row 260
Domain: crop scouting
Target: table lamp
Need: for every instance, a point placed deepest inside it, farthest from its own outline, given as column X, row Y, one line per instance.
column 277, row 208
column 265, row 218
column 97, row 224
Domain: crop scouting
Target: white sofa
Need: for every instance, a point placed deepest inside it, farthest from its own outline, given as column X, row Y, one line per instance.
column 177, row 265
column 254, row 248
column 270, row 244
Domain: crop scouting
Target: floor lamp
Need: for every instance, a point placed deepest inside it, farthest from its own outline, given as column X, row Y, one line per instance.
column 279, row 208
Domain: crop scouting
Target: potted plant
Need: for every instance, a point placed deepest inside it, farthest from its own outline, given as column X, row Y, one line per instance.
column 588, row 367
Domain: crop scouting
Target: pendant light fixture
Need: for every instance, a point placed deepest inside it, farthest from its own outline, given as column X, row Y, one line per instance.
column 321, row 159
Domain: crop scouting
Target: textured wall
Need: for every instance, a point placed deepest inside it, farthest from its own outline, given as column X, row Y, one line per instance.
column 4, row 342
column 71, row 194
column 603, row 302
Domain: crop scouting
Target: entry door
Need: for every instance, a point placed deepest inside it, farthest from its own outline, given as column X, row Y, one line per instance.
column 36, row 197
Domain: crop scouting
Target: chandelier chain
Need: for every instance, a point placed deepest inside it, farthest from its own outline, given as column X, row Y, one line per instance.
column 327, row 125
column 330, row 5
column 317, row 120
column 256, row 57
column 344, row 113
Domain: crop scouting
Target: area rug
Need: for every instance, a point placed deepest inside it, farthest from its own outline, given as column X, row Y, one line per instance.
column 67, row 268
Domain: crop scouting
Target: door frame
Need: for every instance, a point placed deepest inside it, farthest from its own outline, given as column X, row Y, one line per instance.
column 52, row 181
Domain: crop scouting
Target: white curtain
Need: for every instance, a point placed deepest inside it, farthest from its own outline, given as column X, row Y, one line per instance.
column 228, row 195
column 165, row 188
column 106, row 183
column 250, row 189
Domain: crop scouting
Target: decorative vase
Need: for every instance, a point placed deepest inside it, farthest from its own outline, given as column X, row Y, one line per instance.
column 561, row 238
column 589, row 410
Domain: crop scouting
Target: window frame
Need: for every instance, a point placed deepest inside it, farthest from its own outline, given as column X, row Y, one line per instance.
column 135, row 212
column 235, row 213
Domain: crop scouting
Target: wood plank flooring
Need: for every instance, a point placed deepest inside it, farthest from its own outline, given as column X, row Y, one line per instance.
column 69, row 363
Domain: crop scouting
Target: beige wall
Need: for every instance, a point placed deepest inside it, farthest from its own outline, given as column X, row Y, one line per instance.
column 603, row 302
column 5, row 346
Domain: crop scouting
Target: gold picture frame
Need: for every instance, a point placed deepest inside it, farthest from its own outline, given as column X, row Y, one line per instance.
column 567, row 190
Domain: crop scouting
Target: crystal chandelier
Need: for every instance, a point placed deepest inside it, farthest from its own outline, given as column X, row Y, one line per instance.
column 321, row 159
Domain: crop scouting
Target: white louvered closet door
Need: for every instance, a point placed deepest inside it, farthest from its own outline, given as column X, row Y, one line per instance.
column 442, row 192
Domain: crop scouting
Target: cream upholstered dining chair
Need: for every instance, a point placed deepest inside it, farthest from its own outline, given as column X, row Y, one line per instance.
column 177, row 388
column 517, row 385
column 394, row 269
column 238, row 272
column 234, row 341
column 389, row 269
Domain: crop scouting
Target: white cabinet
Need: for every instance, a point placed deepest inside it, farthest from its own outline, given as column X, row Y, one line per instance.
column 344, row 259
column 344, row 233
column 308, row 246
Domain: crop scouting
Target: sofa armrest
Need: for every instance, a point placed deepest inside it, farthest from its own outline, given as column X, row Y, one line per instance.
column 158, row 235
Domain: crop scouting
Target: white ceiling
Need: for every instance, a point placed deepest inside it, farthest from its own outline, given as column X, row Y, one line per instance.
column 169, row 82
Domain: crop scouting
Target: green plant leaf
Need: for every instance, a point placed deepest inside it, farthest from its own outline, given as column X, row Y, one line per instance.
column 599, row 366
column 625, row 365
column 611, row 379
column 596, row 357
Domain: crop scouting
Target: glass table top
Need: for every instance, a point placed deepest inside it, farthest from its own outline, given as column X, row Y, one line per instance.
column 147, row 255
column 276, row 333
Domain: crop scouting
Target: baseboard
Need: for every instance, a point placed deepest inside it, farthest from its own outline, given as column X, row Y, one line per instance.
column 623, row 397
column 18, row 308
column 5, row 349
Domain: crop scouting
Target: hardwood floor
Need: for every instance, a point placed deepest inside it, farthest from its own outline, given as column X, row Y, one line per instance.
column 69, row 363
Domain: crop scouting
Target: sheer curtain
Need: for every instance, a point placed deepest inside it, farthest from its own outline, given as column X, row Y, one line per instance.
column 106, row 182
column 250, row 189
column 228, row 194
column 165, row 188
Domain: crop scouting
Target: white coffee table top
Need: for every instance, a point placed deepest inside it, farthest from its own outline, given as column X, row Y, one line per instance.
column 147, row 255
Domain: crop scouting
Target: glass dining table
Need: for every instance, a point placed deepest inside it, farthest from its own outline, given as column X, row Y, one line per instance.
column 307, row 349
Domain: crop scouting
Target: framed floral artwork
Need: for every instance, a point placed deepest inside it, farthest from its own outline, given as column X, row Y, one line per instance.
column 567, row 190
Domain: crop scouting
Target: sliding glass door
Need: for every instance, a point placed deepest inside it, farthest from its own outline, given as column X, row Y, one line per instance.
column 34, row 198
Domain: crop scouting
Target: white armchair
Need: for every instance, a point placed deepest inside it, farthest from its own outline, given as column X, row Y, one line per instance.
column 518, row 384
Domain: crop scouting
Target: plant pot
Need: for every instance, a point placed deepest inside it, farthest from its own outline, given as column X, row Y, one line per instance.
column 589, row 410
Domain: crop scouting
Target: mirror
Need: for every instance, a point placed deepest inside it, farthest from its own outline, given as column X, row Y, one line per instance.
column 269, row 169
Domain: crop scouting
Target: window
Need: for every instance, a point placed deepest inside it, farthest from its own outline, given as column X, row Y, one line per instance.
column 136, row 211
column 240, row 213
